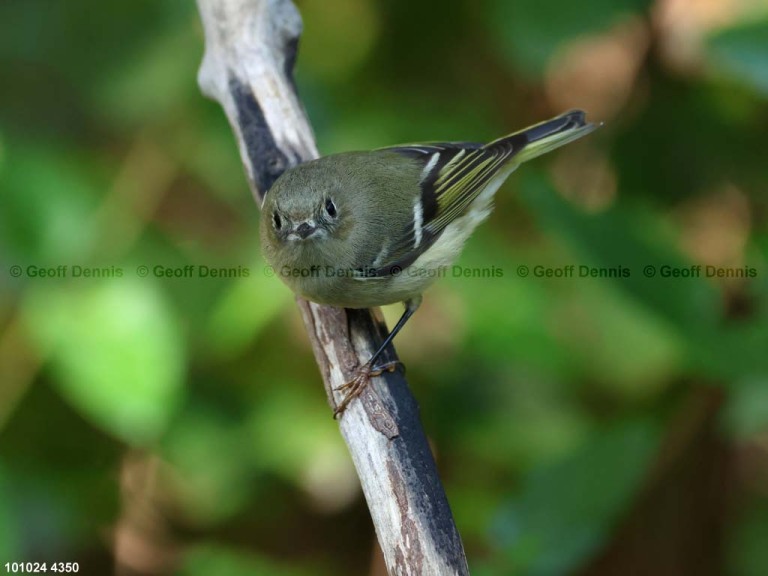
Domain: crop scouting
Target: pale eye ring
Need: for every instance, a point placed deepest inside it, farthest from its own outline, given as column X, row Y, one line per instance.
column 276, row 220
column 330, row 208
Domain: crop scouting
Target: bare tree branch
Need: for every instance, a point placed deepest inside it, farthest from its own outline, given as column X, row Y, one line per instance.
column 250, row 51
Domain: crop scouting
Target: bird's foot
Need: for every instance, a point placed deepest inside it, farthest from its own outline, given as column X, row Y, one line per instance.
column 357, row 385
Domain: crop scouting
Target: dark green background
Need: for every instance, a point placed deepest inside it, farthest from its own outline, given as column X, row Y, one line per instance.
column 581, row 425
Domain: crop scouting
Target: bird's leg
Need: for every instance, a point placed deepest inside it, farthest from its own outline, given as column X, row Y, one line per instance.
column 355, row 387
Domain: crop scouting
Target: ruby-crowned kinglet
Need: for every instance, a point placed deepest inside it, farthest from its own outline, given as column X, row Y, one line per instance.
column 364, row 229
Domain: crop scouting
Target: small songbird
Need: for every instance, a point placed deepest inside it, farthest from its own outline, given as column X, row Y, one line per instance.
column 364, row 229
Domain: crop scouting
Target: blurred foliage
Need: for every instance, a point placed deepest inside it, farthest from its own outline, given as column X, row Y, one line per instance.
column 530, row 32
column 742, row 52
column 549, row 543
column 592, row 426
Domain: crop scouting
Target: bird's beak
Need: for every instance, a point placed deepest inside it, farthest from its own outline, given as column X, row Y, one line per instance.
column 304, row 230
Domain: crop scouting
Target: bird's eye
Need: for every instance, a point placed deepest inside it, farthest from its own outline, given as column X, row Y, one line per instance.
column 276, row 220
column 330, row 207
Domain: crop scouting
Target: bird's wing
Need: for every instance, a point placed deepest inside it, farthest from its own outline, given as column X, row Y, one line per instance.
column 455, row 173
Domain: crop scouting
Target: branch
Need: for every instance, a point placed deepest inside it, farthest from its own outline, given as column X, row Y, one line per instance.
column 247, row 67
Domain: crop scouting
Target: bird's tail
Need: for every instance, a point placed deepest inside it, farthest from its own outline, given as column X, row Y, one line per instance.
column 546, row 136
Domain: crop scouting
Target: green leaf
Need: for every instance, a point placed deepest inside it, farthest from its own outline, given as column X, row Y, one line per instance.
column 519, row 334
column 742, row 52
column 626, row 236
column 629, row 236
column 48, row 201
column 238, row 316
column 115, row 352
column 529, row 32
column 565, row 511
column 646, row 358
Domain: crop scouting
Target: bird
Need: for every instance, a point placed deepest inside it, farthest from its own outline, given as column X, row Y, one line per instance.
column 370, row 228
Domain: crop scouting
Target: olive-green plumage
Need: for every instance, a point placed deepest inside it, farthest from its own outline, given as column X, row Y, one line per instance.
column 323, row 267
column 364, row 229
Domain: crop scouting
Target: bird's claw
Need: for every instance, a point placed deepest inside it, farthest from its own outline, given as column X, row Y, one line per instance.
column 357, row 385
